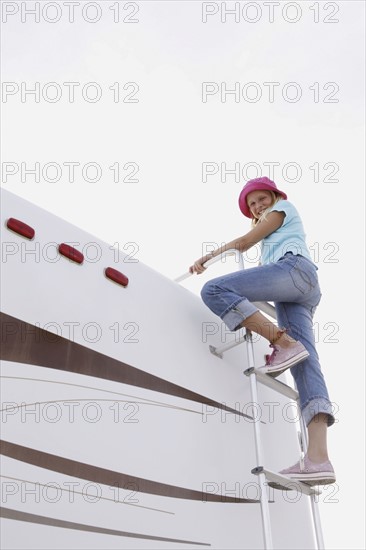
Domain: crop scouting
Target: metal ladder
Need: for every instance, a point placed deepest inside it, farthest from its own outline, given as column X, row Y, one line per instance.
column 266, row 477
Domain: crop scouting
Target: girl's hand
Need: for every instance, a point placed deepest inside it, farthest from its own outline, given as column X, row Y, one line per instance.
column 198, row 266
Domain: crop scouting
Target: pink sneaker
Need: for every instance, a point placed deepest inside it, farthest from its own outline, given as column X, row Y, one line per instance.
column 284, row 358
column 310, row 472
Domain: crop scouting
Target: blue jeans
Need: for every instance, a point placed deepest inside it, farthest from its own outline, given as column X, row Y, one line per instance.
column 292, row 284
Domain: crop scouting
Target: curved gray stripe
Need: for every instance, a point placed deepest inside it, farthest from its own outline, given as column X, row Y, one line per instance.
column 26, row 343
column 86, row 493
column 98, row 400
column 17, row 515
column 132, row 397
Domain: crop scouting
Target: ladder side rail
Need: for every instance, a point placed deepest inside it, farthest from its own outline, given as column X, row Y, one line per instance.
column 313, row 498
column 266, row 518
column 219, row 257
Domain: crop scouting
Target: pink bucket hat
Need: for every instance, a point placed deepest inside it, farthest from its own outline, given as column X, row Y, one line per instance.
column 258, row 184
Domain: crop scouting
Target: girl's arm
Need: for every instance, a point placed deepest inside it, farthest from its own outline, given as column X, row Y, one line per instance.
column 271, row 223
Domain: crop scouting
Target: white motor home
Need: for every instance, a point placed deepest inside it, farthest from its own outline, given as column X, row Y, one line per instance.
column 127, row 419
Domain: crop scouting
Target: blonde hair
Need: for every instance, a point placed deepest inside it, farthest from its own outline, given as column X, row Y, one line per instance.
column 275, row 198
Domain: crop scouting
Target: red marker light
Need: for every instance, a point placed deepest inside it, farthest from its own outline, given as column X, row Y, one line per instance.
column 21, row 228
column 71, row 253
column 116, row 276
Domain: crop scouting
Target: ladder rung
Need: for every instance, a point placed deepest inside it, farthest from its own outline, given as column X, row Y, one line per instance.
column 273, row 383
column 278, row 481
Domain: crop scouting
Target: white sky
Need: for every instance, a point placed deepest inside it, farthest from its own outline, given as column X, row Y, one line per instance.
column 169, row 212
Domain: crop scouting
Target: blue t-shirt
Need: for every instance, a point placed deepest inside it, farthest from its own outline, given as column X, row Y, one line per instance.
column 290, row 237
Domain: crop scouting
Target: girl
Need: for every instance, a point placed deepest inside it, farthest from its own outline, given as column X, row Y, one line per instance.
column 288, row 277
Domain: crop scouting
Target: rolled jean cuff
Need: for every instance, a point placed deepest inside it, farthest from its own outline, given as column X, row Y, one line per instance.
column 238, row 314
column 316, row 406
